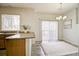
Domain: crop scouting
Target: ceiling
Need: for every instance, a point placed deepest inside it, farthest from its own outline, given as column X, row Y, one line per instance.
column 44, row 7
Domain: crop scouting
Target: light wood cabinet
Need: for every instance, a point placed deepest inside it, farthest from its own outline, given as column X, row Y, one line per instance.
column 16, row 47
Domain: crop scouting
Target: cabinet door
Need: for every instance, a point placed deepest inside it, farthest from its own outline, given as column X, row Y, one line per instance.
column 16, row 47
column 2, row 42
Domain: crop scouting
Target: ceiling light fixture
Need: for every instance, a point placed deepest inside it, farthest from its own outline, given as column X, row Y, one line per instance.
column 60, row 9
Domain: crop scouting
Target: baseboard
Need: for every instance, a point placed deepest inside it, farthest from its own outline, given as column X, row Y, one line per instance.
column 43, row 50
column 70, row 43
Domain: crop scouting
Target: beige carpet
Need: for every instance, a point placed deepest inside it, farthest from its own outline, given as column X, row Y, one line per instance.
column 58, row 48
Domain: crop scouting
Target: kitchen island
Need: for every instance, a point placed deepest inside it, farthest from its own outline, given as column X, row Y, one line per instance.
column 19, row 44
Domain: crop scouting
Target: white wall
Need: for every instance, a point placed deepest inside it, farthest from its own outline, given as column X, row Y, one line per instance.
column 72, row 35
column 28, row 16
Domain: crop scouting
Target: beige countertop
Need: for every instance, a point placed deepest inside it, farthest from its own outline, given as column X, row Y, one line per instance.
column 22, row 36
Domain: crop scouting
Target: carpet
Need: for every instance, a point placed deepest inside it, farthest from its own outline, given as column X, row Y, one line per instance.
column 58, row 48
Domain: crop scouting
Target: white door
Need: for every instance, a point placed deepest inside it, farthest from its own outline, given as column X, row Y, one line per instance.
column 49, row 31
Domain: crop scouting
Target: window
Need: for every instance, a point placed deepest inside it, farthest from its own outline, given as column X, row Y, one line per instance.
column 10, row 22
column 49, row 31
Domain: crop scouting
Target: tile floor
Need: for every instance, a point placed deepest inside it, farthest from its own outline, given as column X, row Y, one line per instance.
column 37, row 50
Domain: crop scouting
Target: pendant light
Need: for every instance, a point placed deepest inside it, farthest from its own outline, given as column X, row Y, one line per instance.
column 60, row 9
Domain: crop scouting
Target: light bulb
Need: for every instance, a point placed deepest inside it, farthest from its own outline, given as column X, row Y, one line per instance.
column 64, row 17
column 57, row 18
column 60, row 17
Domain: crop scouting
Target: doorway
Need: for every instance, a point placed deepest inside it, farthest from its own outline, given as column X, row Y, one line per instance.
column 49, row 31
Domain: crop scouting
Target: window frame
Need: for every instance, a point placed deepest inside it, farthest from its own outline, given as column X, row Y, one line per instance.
column 13, row 15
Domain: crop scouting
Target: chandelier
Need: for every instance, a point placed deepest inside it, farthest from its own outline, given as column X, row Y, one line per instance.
column 60, row 9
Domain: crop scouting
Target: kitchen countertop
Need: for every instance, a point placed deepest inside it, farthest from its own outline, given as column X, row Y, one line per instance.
column 22, row 36
column 6, row 34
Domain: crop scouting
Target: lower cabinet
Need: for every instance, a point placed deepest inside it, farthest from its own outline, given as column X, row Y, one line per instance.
column 2, row 43
column 16, row 47
column 2, row 47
